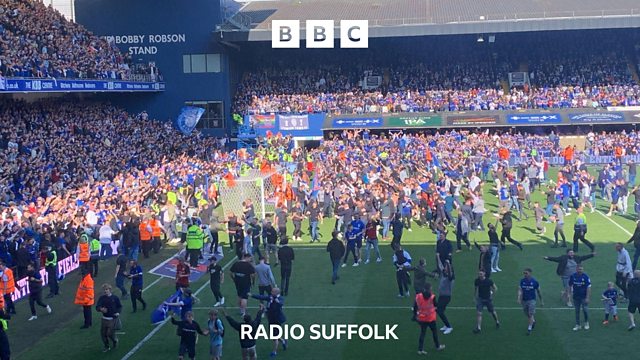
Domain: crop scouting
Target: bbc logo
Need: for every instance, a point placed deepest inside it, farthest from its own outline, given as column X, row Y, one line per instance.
column 354, row 34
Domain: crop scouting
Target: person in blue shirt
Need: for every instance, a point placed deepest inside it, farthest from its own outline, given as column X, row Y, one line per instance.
column 352, row 238
column 358, row 226
column 580, row 288
column 610, row 300
column 216, row 334
column 135, row 274
column 503, row 196
column 565, row 192
column 527, row 291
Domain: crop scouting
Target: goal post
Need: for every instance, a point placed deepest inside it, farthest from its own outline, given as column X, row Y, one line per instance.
column 262, row 188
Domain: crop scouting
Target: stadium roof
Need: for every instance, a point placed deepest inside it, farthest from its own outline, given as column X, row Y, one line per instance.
column 388, row 18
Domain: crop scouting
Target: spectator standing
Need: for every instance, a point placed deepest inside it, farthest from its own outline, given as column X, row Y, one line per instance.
column 424, row 309
column 580, row 286
column 35, row 291
column 110, row 307
column 336, row 250
column 286, row 257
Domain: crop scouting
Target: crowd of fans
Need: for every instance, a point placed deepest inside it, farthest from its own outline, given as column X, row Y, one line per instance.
column 563, row 73
column 37, row 41
column 61, row 162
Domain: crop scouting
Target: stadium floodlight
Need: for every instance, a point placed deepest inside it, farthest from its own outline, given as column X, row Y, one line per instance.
column 480, row 38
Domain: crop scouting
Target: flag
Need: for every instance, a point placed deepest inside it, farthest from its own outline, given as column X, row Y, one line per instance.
column 188, row 119
column 162, row 311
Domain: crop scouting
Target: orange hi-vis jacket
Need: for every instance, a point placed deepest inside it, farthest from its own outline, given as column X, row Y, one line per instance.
column 85, row 253
column 145, row 234
column 156, row 231
column 10, row 286
column 85, row 294
column 426, row 308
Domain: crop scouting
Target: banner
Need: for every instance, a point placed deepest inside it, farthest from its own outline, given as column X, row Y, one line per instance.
column 188, row 119
column 10, row 85
column 623, row 108
column 65, row 266
column 472, row 120
column 262, row 121
column 361, row 122
column 518, row 119
column 414, row 121
column 596, row 117
column 294, row 122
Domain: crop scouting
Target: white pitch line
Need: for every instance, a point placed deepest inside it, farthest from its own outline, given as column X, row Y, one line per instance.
column 614, row 223
column 318, row 307
column 153, row 283
column 164, row 322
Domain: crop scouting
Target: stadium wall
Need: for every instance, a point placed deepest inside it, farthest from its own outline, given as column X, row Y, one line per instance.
column 165, row 32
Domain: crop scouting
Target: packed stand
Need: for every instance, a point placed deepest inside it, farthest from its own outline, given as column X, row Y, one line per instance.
column 65, row 165
column 37, row 41
column 570, row 72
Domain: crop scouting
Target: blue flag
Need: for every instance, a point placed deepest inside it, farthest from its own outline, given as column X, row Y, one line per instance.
column 162, row 311
column 188, row 119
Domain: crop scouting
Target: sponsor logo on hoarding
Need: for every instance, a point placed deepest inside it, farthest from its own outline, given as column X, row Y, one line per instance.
column 472, row 120
column 414, row 121
column 534, row 118
column 596, row 117
column 357, row 122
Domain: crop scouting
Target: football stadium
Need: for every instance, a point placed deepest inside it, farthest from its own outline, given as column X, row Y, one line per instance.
column 319, row 179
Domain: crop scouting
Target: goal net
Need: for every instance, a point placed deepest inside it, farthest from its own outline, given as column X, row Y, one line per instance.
column 263, row 189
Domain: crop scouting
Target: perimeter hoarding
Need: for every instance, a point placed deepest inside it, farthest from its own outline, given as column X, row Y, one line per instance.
column 596, row 117
column 413, row 121
column 533, row 119
column 473, row 120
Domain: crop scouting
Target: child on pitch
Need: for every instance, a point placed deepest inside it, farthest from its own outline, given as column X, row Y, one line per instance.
column 610, row 300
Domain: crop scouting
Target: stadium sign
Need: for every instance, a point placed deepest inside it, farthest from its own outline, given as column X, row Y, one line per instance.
column 596, row 117
column 142, row 44
column 293, row 122
column 472, row 120
column 354, row 34
column 363, row 122
column 63, row 85
column 414, row 121
column 520, row 119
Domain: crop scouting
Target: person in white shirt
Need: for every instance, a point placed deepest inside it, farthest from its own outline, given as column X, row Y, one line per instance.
column 105, row 235
column 624, row 271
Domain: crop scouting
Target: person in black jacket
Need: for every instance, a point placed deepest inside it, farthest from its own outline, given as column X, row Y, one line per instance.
column 507, row 223
column 275, row 314
column 285, row 257
column 187, row 330
column 635, row 239
column 484, row 263
column 336, row 250
column 397, row 227
column 444, row 248
column 110, row 307
column 494, row 248
column 567, row 265
column 248, row 345
column 131, row 238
